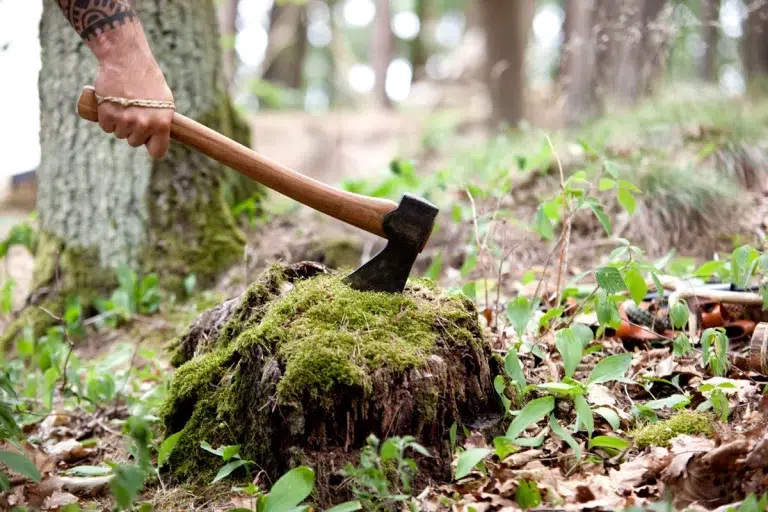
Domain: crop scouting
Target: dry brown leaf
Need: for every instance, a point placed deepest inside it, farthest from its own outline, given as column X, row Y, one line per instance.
column 58, row 500
column 475, row 440
column 600, row 395
column 636, row 471
column 67, row 451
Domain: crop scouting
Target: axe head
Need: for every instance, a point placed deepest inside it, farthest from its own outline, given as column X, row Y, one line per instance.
column 408, row 228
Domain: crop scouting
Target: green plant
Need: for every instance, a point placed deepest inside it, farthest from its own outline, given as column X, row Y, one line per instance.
column 11, row 433
column 382, row 480
column 230, row 455
column 134, row 296
column 716, row 398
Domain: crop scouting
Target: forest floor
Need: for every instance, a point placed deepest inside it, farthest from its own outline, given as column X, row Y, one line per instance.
column 607, row 422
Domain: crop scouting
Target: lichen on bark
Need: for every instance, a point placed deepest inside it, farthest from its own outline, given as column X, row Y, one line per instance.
column 302, row 368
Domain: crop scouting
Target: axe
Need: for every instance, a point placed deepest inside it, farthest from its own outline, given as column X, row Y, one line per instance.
column 406, row 226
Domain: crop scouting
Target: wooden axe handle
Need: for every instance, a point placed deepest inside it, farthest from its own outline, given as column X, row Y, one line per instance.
column 366, row 213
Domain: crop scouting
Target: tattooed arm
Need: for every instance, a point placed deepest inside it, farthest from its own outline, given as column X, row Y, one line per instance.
column 127, row 69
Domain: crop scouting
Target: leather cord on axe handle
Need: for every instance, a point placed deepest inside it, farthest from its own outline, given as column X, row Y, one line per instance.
column 125, row 102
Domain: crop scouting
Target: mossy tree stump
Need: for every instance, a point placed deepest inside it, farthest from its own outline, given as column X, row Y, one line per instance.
column 300, row 369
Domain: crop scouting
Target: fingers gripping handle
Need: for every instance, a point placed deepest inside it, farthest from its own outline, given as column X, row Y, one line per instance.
column 366, row 213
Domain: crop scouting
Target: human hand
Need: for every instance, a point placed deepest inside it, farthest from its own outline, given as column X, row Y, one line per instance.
column 127, row 69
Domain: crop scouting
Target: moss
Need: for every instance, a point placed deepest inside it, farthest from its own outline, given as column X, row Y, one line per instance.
column 662, row 432
column 310, row 358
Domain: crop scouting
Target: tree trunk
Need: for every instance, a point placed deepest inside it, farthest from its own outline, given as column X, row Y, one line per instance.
column 382, row 47
column 631, row 47
column 228, row 28
column 710, row 33
column 103, row 203
column 287, row 45
column 507, row 26
column 578, row 63
column 264, row 372
column 755, row 44
column 418, row 45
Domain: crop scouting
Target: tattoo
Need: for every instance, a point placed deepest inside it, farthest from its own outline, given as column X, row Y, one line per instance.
column 92, row 17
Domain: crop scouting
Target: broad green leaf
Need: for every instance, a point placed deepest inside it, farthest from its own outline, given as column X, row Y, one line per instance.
column 530, row 414
column 676, row 401
column 227, row 470
column 681, row 345
column 571, row 348
column 20, row 464
column 584, row 333
column 190, row 282
column 607, row 311
column 584, row 416
column 678, row 314
column 605, row 221
column 615, row 443
column 207, row 447
column 611, row 416
column 230, row 451
column 514, row 368
column 611, row 168
column 519, row 313
column 5, row 483
column 349, row 506
column 611, row 368
column 627, row 200
column 167, row 448
column 89, row 471
column 528, row 494
column 532, row 442
column 544, row 225
column 504, row 447
column 630, row 186
column 565, row 436
column 550, row 315
column 290, row 490
column 606, row 184
column 469, row 459
column 561, row 388
column 435, row 268
column 610, row 280
column 388, row 450
column 127, row 484
column 636, row 284
column 452, row 434
column 720, row 405
column 710, row 268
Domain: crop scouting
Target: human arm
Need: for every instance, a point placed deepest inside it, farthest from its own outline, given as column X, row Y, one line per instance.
column 127, row 69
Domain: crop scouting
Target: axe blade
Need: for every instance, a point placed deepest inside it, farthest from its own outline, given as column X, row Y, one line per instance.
column 408, row 228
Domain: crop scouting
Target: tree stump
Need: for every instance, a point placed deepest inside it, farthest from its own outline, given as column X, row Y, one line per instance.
column 300, row 369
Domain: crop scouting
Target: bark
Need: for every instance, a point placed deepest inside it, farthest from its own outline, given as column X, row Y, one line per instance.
column 418, row 47
column 287, row 45
column 578, row 63
column 710, row 33
column 755, row 43
column 228, row 29
column 507, row 27
column 382, row 48
column 103, row 203
column 631, row 47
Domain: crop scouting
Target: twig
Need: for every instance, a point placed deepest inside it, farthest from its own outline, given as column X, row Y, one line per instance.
column 480, row 246
column 566, row 223
column 128, row 375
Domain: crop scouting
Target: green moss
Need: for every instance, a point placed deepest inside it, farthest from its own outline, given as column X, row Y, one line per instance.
column 328, row 335
column 662, row 432
column 308, row 352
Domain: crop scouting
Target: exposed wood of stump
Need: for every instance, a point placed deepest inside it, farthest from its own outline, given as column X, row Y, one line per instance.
column 300, row 369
